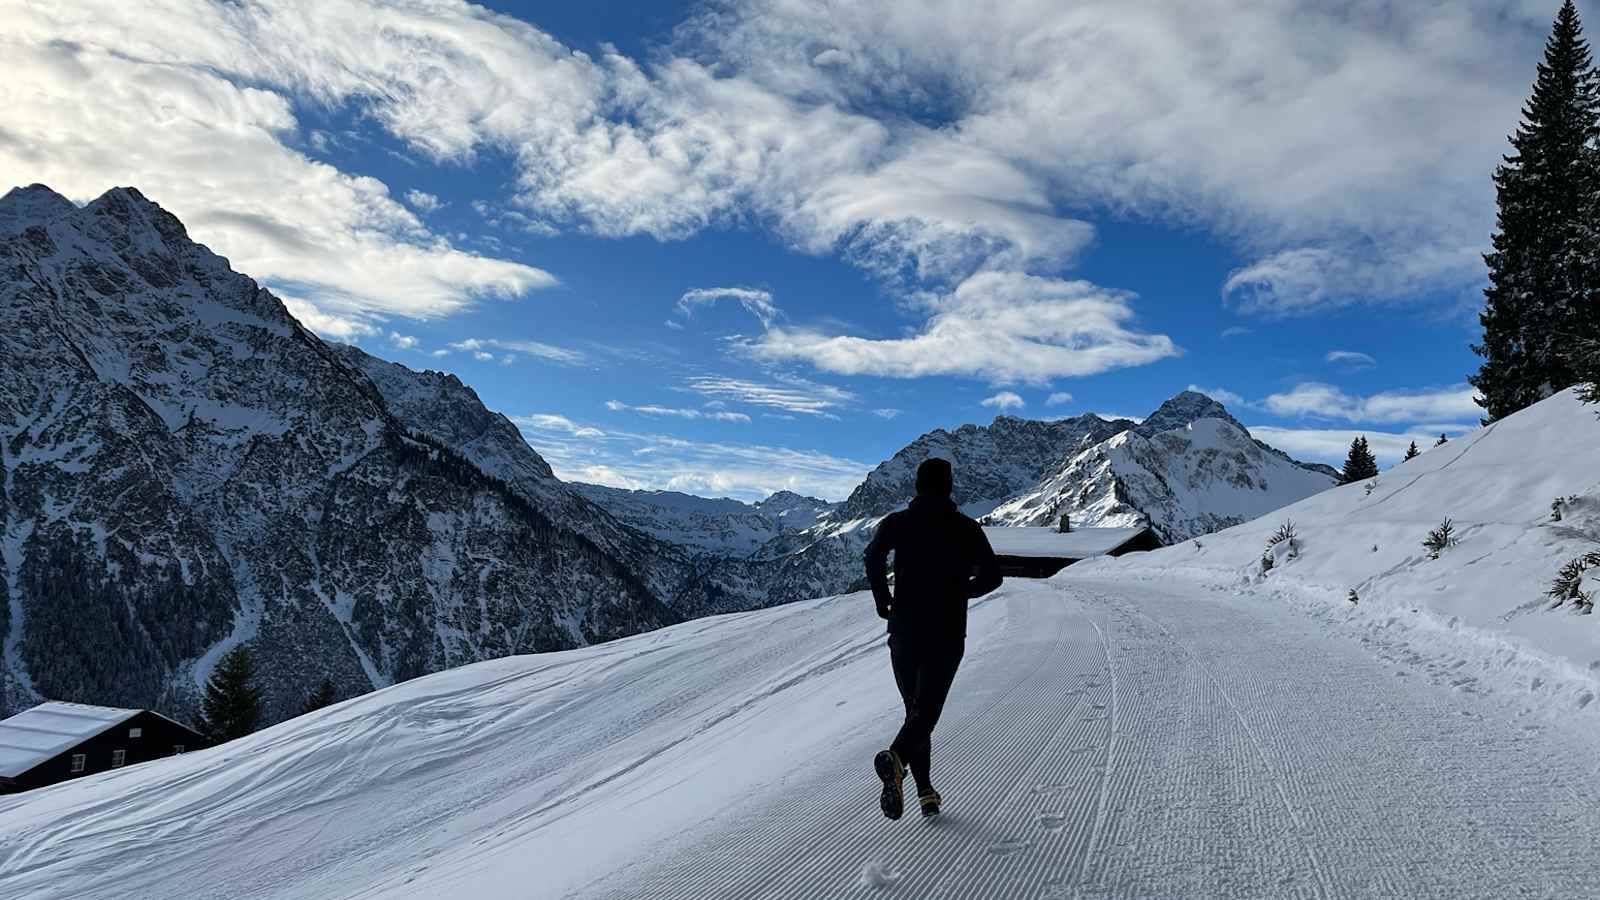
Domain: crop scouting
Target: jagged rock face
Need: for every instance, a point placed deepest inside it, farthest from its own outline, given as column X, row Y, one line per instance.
column 185, row 467
column 719, row 526
column 440, row 406
column 991, row 462
column 1200, row 477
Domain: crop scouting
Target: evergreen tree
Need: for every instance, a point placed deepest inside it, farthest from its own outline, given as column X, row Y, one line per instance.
column 1412, row 452
column 1441, row 441
column 1360, row 464
column 1586, row 363
column 231, row 705
column 1540, row 298
column 324, row 695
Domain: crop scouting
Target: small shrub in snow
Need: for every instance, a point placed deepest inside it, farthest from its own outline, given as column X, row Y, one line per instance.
column 1440, row 539
column 1569, row 581
column 1285, row 533
column 1266, row 563
column 1353, row 598
column 1371, row 486
column 1555, row 510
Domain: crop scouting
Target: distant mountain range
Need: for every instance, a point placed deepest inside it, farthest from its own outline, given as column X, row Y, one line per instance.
column 185, row 467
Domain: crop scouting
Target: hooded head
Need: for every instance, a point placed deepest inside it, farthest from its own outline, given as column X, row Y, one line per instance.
column 934, row 478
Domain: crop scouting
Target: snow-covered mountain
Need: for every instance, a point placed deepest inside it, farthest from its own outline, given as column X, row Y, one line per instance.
column 185, row 467
column 992, row 462
column 720, row 526
column 1198, row 477
column 1166, row 724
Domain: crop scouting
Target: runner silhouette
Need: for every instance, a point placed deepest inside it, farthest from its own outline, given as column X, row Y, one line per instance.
column 941, row 560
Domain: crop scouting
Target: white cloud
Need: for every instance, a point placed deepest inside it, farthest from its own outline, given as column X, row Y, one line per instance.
column 757, row 303
column 1324, row 401
column 423, row 202
column 193, row 103
column 1351, row 359
column 482, row 356
column 1058, row 398
column 1004, row 400
column 677, row 412
column 1343, row 152
column 551, row 422
column 535, row 349
column 1233, row 331
column 439, row 353
column 1331, row 445
column 1002, row 326
column 340, row 328
column 795, row 395
column 664, row 462
column 886, row 413
column 1221, row 395
column 402, row 341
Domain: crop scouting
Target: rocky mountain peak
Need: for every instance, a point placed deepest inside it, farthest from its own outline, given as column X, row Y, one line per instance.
column 32, row 205
column 1183, row 408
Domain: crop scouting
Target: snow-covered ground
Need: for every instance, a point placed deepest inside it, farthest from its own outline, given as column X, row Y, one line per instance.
column 1163, row 725
column 1477, row 615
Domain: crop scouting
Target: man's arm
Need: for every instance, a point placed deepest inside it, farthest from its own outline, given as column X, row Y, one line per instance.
column 988, row 576
column 877, row 559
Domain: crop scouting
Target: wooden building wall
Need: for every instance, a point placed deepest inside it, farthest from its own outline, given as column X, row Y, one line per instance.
column 159, row 737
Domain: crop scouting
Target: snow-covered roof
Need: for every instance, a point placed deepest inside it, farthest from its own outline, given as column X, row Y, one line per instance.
column 39, row 734
column 1080, row 543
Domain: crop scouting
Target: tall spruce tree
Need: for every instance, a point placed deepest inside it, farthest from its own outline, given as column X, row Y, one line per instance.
column 231, row 705
column 1360, row 464
column 1412, row 452
column 1441, row 441
column 324, row 695
column 1542, row 276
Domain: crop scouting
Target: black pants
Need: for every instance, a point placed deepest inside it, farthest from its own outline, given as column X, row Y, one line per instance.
column 923, row 670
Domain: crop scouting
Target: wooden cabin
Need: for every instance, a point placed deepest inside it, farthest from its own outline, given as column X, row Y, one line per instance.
column 55, row 742
column 1036, row 552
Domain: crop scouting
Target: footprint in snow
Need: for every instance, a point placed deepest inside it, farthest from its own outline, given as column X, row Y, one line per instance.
column 1052, row 822
column 878, row 873
column 1008, row 847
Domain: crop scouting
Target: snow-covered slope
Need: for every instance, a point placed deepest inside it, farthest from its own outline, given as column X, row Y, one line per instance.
column 1196, row 478
column 185, row 468
column 1478, row 613
column 1106, row 738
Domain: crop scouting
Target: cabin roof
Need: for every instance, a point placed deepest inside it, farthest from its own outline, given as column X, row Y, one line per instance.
column 1080, row 543
column 40, row 734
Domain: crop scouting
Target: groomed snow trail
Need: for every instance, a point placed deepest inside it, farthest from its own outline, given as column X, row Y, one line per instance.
column 1103, row 739
column 1169, row 745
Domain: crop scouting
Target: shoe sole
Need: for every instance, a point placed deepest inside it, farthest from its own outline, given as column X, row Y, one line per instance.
column 929, row 810
column 892, row 801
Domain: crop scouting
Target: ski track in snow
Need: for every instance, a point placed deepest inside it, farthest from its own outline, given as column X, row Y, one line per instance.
column 1102, row 740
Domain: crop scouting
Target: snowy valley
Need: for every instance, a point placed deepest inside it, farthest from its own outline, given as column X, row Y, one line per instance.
column 125, row 340
column 1174, row 723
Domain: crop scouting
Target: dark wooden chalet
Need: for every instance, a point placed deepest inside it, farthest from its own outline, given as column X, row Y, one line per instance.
column 55, row 742
column 1042, row 552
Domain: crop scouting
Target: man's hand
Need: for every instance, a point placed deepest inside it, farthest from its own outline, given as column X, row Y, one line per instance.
column 883, row 610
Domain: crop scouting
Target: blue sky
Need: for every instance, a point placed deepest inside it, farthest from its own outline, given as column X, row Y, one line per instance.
column 755, row 245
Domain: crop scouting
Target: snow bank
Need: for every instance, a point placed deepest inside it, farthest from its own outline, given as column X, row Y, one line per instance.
column 1477, row 615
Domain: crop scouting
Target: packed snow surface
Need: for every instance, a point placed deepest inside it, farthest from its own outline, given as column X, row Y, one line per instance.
column 1167, row 724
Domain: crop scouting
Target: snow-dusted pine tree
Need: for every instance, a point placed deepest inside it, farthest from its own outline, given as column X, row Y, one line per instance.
column 1412, row 452
column 1441, row 441
column 1542, row 266
column 1360, row 464
column 231, row 705
column 325, row 695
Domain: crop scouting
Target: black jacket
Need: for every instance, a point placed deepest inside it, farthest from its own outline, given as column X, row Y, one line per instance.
column 941, row 560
